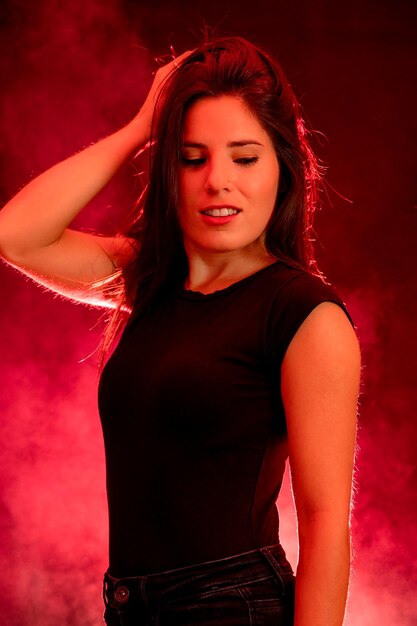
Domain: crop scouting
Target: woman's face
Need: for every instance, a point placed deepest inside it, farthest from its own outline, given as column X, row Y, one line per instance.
column 228, row 178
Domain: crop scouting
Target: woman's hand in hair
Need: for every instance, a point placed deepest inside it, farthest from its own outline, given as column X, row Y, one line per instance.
column 145, row 115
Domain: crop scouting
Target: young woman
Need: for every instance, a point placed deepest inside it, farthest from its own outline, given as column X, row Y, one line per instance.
column 235, row 354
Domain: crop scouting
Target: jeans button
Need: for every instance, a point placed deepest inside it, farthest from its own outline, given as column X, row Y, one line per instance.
column 121, row 594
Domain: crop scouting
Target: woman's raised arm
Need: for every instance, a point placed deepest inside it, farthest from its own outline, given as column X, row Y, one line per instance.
column 34, row 233
column 320, row 383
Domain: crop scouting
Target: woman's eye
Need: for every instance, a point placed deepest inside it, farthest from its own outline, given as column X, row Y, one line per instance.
column 246, row 161
column 197, row 161
column 193, row 162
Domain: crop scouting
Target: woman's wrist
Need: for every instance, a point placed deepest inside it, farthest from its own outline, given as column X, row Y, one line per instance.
column 140, row 128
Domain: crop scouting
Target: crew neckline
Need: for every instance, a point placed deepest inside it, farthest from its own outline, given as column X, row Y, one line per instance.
column 190, row 294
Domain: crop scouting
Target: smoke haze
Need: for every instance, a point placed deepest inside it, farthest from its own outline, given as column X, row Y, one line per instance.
column 74, row 72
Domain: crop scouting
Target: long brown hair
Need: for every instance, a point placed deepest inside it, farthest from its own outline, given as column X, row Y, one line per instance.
column 223, row 66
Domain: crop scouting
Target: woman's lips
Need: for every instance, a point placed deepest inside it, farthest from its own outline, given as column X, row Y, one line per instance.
column 219, row 219
column 215, row 221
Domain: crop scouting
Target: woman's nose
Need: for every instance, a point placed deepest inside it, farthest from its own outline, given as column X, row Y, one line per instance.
column 219, row 177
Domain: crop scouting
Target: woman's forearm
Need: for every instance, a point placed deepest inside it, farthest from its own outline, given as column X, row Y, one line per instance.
column 322, row 574
column 38, row 215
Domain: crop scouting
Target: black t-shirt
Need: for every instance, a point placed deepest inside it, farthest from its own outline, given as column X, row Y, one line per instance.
column 193, row 421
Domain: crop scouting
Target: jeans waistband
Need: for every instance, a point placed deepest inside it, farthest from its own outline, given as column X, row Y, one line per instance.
column 201, row 577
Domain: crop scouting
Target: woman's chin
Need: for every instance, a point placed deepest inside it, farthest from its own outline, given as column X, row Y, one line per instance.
column 223, row 245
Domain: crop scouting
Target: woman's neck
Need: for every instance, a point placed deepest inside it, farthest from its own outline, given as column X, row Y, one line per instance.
column 208, row 273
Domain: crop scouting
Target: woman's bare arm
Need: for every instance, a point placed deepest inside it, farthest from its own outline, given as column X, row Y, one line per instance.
column 34, row 233
column 34, row 225
column 320, row 384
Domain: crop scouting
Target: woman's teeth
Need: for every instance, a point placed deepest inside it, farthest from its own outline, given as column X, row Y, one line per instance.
column 220, row 212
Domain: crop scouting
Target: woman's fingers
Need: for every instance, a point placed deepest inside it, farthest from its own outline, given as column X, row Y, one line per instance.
column 168, row 67
column 161, row 74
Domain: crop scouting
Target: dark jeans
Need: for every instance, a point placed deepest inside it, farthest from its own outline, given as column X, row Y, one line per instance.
column 255, row 587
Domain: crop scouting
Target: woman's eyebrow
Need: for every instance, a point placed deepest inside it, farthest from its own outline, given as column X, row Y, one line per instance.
column 231, row 144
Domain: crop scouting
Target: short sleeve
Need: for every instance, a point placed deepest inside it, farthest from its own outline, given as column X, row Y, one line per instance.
column 292, row 305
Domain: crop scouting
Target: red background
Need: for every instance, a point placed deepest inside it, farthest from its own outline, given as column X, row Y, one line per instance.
column 73, row 72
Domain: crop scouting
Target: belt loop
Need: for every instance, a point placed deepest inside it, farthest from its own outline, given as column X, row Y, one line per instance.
column 267, row 552
column 105, row 589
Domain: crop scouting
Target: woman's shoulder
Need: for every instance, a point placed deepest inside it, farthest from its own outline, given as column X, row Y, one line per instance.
column 291, row 282
column 296, row 293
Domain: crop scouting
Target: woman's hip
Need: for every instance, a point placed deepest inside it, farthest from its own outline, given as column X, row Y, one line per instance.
column 251, row 588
